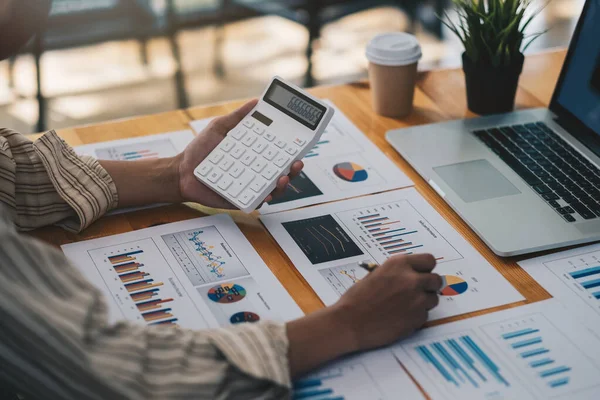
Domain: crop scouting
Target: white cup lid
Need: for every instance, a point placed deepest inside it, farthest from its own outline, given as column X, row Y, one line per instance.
column 394, row 49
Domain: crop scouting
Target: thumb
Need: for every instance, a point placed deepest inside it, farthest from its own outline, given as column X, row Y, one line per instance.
column 224, row 124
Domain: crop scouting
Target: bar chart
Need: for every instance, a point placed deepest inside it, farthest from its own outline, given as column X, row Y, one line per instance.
column 398, row 228
column 545, row 356
column 204, row 255
column 581, row 274
column 138, row 151
column 142, row 285
column 347, row 382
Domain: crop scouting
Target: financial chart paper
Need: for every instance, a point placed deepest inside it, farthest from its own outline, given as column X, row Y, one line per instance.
column 327, row 242
column 343, row 164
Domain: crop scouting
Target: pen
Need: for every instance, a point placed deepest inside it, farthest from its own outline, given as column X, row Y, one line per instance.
column 370, row 267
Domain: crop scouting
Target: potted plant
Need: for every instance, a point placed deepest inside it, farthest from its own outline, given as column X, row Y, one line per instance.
column 492, row 32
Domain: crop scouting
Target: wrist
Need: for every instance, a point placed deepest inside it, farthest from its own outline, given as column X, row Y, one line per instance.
column 342, row 317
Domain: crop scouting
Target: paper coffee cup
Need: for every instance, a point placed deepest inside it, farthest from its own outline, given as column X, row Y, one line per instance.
column 393, row 59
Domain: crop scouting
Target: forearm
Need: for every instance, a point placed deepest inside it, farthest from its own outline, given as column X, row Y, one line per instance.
column 145, row 182
column 318, row 338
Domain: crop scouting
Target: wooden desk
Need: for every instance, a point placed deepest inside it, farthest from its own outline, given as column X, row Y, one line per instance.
column 440, row 96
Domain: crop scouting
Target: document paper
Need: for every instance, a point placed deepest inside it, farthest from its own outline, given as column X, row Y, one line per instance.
column 343, row 164
column 327, row 242
column 573, row 278
column 202, row 273
column 537, row 351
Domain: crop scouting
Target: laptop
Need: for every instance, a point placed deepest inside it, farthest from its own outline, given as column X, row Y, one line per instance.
column 528, row 180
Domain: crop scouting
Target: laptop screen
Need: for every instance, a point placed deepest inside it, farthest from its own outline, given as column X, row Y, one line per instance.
column 579, row 92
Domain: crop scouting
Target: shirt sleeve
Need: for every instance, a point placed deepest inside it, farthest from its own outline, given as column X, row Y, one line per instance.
column 45, row 182
column 56, row 343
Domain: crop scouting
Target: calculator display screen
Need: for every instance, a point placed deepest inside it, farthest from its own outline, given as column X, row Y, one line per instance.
column 295, row 104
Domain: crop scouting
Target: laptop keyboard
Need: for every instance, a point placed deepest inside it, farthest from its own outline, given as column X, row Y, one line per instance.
column 568, row 182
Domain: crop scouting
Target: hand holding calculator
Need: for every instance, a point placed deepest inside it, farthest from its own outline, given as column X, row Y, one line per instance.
column 282, row 128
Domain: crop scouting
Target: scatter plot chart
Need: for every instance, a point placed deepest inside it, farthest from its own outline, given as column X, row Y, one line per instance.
column 204, row 255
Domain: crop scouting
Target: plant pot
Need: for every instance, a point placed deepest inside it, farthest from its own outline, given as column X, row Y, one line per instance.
column 491, row 90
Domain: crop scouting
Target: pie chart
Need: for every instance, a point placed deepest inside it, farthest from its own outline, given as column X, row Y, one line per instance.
column 244, row 316
column 453, row 285
column 227, row 293
column 350, row 172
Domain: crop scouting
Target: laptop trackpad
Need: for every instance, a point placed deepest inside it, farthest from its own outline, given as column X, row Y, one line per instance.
column 476, row 180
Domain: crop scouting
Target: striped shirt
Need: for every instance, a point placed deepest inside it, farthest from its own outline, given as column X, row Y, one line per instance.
column 55, row 341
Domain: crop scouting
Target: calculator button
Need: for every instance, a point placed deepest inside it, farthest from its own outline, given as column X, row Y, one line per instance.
column 270, row 172
column 226, row 164
column 258, row 185
column 238, row 152
column 269, row 136
column 248, row 124
column 270, row 153
column 238, row 133
column 247, row 197
column 227, row 145
column 248, row 159
column 291, row 150
column 237, row 170
column 259, row 165
column 299, row 142
column 225, row 182
column 281, row 160
column 281, row 144
column 259, row 130
column 205, row 169
column 260, row 146
column 215, row 157
column 215, row 176
column 249, row 140
column 241, row 183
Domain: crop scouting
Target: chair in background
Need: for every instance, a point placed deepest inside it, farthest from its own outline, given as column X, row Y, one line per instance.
column 75, row 23
column 315, row 14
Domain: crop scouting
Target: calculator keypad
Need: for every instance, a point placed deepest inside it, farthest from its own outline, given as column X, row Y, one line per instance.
column 247, row 160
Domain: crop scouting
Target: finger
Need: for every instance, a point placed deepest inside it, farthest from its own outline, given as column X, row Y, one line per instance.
column 431, row 282
column 222, row 125
column 431, row 301
column 296, row 168
column 267, row 200
column 282, row 183
column 422, row 262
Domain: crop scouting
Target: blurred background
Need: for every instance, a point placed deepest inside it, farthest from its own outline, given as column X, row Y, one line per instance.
column 106, row 59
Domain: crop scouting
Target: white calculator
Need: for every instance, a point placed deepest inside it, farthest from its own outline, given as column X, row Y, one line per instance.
column 283, row 127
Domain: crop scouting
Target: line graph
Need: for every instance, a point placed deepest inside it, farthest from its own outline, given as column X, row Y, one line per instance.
column 343, row 277
column 322, row 239
column 204, row 255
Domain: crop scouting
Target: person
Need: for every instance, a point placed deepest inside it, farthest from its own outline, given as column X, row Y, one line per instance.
column 55, row 339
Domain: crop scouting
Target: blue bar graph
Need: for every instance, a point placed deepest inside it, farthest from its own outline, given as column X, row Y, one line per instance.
column 525, row 343
column 535, row 352
column 521, row 340
column 459, row 362
column 307, row 394
column 585, row 272
column 337, row 382
column 559, row 382
column 521, row 332
column 591, row 284
column 596, row 295
column 541, row 363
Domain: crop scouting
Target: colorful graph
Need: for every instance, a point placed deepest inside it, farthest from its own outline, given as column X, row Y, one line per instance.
column 138, row 151
column 244, row 316
column 227, row 293
column 397, row 229
column 343, row 277
column 322, row 239
column 453, row 285
column 204, row 255
column 316, row 150
column 143, row 290
column 350, row 172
